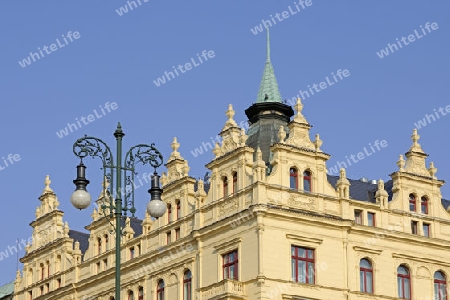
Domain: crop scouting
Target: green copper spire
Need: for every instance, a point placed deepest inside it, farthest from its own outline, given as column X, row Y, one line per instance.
column 268, row 90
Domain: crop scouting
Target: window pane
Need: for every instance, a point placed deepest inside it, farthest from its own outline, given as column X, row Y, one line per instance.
column 306, row 185
column 400, row 286
column 292, row 250
column 438, row 275
column 361, row 281
column 442, row 292
column 369, row 282
column 301, row 252
column 310, row 254
column 293, row 183
column 407, row 294
column 426, row 230
column 301, row 271
column 311, row 273
column 294, row 278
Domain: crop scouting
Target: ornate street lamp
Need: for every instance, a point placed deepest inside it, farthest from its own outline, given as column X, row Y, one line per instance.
column 145, row 154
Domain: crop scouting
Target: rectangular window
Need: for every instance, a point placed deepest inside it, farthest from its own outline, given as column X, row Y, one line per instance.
column 414, row 227
column 371, row 219
column 177, row 234
column 98, row 267
column 358, row 217
column 131, row 252
column 42, row 290
column 58, row 282
column 169, row 237
column 230, row 265
column 47, row 287
column 30, row 295
column 303, row 266
column 105, row 264
column 426, row 230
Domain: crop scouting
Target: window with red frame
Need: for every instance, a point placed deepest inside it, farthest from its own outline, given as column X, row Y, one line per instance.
column 178, row 209
column 307, row 184
column 160, row 290
column 169, row 213
column 293, row 176
column 234, row 182
column 141, row 293
column 412, row 202
column 365, row 276
column 404, row 282
column 42, row 271
column 230, row 265
column 371, row 219
column 303, row 265
column 225, row 186
column 106, row 242
column 169, row 237
column 99, row 245
column 130, row 295
column 414, row 227
column 424, row 205
column 187, row 285
column 440, row 286
column 177, row 234
column 426, row 230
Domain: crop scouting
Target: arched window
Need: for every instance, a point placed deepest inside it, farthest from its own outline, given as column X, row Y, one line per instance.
column 225, row 186
column 141, row 293
column 293, row 175
column 187, row 285
column 99, row 245
column 106, row 242
column 403, row 282
column 424, row 205
column 48, row 268
column 169, row 213
column 412, row 202
column 365, row 276
column 307, row 186
column 130, row 295
column 160, row 290
column 234, row 182
column 178, row 209
column 440, row 286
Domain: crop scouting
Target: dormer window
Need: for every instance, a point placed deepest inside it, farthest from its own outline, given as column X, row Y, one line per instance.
column 234, row 182
column 307, row 186
column 424, row 205
column 412, row 202
column 293, row 176
column 225, row 186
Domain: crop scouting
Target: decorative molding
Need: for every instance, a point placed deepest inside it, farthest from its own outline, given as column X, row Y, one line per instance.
column 421, row 259
column 304, row 239
column 368, row 250
column 223, row 245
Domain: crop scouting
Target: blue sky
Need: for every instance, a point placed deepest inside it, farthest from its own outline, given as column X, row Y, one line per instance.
column 118, row 58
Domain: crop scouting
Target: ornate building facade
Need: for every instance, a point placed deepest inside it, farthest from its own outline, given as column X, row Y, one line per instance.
column 269, row 223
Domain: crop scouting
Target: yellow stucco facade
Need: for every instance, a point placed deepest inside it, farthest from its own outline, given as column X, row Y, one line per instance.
column 285, row 234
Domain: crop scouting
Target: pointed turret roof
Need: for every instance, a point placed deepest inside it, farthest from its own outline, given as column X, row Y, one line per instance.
column 268, row 90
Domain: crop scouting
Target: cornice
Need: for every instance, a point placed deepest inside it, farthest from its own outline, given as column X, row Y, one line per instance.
column 304, row 239
column 367, row 250
column 421, row 259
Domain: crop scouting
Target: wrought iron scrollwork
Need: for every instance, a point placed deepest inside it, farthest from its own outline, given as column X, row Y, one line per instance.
column 145, row 154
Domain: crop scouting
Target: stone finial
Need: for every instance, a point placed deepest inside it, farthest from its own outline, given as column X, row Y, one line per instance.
column 66, row 229
column 163, row 178
column 432, row 170
column 230, row 114
column 175, row 145
column 27, row 247
column 243, row 137
column 415, row 138
column 217, row 151
column 37, row 212
column 281, row 134
column 401, row 163
column 259, row 154
column 94, row 215
column 128, row 230
column 298, row 108
column 186, row 168
column 343, row 185
column 77, row 245
column 47, row 182
column 200, row 189
column 318, row 142
column 381, row 195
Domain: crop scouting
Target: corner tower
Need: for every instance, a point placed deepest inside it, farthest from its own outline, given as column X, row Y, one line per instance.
column 268, row 113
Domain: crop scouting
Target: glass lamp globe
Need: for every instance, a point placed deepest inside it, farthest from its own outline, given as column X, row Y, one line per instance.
column 156, row 208
column 80, row 199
